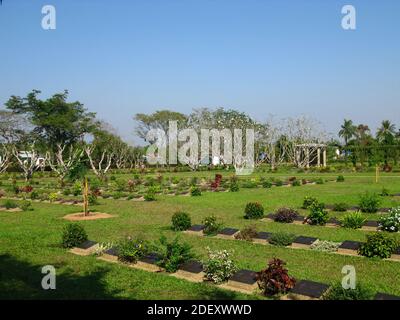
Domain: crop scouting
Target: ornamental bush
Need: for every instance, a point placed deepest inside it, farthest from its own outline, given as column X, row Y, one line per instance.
column 378, row 245
column 286, row 215
column 340, row 207
column 317, row 215
column 337, row 292
column 254, row 210
column 211, row 225
column 195, row 191
column 282, row 239
column 325, row 246
column 130, row 250
column 275, row 278
column 267, row 184
column 308, row 202
column 73, row 235
column 247, row 233
column 391, row 222
column 369, row 202
column 219, row 266
column 181, row 221
column 353, row 220
column 340, row 178
column 173, row 254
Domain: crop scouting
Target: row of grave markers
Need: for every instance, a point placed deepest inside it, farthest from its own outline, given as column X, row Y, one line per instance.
column 346, row 247
column 243, row 281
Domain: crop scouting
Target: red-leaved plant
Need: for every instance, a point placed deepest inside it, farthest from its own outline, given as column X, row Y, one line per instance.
column 275, row 279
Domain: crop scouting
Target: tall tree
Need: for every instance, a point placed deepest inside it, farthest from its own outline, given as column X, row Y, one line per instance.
column 157, row 120
column 347, row 131
column 55, row 120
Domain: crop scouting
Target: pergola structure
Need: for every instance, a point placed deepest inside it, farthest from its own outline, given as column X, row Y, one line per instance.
column 308, row 154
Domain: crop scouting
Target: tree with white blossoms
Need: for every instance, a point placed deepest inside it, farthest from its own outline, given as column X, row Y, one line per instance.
column 64, row 160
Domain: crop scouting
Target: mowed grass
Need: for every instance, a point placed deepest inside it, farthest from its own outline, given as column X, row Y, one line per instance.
column 30, row 240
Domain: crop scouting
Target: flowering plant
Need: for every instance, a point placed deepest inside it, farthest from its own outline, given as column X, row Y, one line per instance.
column 391, row 222
column 219, row 267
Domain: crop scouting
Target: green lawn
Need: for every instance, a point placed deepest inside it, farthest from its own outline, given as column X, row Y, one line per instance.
column 30, row 240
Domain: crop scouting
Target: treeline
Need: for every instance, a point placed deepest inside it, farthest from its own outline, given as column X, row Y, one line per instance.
column 68, row 139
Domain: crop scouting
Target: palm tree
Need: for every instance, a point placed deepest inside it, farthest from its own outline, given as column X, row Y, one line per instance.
column 386, row 132
column 347, row 131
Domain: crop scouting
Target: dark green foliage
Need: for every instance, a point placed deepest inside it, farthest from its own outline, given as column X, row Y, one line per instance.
column 73, row 235
column 282, row 239
column 26, row 205
column 195, row 191
column 340, row 178
column 369, row 202
column 337, row 292
column 296, row 183
column 340, row 207
column 173, row 254
column 267, row 184
column 130, row 250
column 379, row 245
column 10, row 204
column 181, row 221
column 254, row 210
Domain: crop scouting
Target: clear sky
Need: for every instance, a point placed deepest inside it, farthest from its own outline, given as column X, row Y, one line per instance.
column 281, row 57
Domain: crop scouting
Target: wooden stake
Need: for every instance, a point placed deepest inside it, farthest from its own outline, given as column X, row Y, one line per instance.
column 85, row 197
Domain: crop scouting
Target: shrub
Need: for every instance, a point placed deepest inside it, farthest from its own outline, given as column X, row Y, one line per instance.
column 378, row 245
column 308, row 202
column 391, row 222
column 369, row 202
column 181, row 221
column 286, row 215
column 211, row 225
column 77, row 188
column 73, row 235
column 2, row 193
column 282, row 239
column 337, row 292
column 150, row 195
column 385, row 192
column 319, row 181
column 325, row 246
column 92, row 199
column 247, row 233
column 53, row 196
column 9, row 204
column 195, row 191
column 340, row 207
column 296, row 183
column 353, row 220
column 267, row 184
column 249, row 184
column 234, row 186
column 219, row 266
column 65, row 192
column 130, row 250
column 317, row 215
column 340, row 179
column 26, row 189
column 26, row 206
column 173, row 254
column 254, row 210
column 278, row 182
column 275, row 278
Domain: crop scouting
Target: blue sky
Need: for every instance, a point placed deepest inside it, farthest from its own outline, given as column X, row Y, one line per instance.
column 281, row 57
